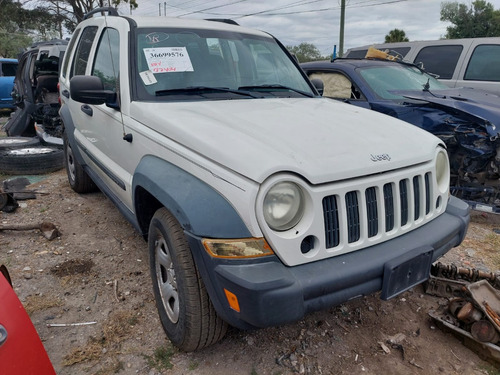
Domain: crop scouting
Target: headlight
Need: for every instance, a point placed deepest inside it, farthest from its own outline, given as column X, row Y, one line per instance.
column 442, row 171
column 283, row 206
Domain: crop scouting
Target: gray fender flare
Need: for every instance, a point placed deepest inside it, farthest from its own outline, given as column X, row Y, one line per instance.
column 69, row 128
column 199, row 208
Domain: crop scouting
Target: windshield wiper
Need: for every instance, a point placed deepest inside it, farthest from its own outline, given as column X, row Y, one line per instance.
column 427, row 88
column 427, row 85
column 203, row 90
column 275, row 86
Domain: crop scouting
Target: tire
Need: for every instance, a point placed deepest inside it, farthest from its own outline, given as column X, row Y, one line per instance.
column 31, row 160
column 11, row 143
column 78, row 179
column 186, row 312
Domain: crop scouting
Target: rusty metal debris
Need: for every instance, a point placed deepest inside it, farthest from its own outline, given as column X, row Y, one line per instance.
column 473, row 310
column 48, row 230
column 485, row 349
column 469, row 314
column 451, row 271
column 483, row 331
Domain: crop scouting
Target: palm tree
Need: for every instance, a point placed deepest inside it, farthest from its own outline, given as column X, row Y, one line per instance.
column 396, row 35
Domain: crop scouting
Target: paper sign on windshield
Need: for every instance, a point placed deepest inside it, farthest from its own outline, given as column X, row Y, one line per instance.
column 168, row 59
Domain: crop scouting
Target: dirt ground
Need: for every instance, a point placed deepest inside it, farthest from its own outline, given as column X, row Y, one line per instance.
column 97, row 272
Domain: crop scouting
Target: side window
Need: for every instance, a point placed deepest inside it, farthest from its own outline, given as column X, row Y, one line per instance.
column 9, row 69
column 440, row 60
column 359, row 54
column 106, row 64
column 337, row 85
column 398, row 51
column 484, row 64
column 70, row 52
column 83, row 51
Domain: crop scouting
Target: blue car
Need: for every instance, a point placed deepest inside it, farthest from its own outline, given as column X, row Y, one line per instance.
column 8, row 68
column 466, row 119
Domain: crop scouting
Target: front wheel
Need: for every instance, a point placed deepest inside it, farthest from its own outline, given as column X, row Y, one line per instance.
column 186, row 312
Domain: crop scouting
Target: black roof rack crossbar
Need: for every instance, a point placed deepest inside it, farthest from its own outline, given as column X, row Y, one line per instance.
column 111, row 12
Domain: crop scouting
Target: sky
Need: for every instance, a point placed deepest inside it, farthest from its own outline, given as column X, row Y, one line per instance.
column 315, row 21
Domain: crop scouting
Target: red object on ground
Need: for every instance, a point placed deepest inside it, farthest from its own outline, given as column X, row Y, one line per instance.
column 21, row 350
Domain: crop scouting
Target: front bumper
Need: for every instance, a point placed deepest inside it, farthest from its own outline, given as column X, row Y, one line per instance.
column 270, row 293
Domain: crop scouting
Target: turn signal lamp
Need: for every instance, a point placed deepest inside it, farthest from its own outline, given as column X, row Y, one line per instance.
column 237, row 248
column 233, row 300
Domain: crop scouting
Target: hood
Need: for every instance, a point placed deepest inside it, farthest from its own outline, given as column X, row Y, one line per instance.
column 319, row 139
column 480, row 104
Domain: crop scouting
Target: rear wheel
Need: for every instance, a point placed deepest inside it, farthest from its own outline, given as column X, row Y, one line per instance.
column 78, row 179
column 186, row 312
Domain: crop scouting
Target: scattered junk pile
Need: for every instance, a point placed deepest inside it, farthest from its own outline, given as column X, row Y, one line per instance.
column 472, row 312
column 34, row 130
column 15, row 189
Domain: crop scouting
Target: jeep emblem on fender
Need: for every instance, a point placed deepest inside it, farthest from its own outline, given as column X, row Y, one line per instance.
column 380, row 157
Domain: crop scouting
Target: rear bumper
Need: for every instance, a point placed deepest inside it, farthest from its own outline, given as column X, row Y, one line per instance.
column 271, row 294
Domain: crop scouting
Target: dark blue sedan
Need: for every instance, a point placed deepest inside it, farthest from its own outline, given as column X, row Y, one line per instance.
column 466, row 119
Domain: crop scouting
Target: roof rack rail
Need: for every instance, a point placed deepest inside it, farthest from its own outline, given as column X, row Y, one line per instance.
column 111, row 12
column 224, row 20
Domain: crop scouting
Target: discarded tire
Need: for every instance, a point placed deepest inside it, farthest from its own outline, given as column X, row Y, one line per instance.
column 10, row 143
column 31, row 160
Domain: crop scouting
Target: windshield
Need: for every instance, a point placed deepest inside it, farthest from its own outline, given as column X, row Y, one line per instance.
column 383, row 80
column 191, row 64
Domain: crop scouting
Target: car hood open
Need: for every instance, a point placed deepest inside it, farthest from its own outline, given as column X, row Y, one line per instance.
column 319, row 139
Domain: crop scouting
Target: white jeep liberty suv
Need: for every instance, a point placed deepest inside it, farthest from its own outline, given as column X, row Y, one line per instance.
column 260, row 200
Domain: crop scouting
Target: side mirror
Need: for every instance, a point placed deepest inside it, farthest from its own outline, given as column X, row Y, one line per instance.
column 319, row 85
column 90, row 90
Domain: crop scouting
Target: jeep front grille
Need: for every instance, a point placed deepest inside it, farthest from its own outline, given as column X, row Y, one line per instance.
column 398, row 201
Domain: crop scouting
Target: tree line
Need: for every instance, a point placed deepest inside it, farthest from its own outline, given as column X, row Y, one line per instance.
column 477, row 21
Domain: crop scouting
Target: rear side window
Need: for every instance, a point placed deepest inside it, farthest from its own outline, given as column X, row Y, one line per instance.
column 107, row 59
column 484, row 64
column 359, row 54
column 70, row 52
column 83, row 51
column 440, row 60
column 396, row 51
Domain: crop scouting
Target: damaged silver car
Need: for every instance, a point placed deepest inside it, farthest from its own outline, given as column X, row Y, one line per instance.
column 35, row 93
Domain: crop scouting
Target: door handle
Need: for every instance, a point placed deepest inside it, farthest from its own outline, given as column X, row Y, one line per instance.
column 65, row 93
column 87, row 110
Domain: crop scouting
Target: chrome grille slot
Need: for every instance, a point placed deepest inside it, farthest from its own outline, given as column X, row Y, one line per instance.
column 416, row 197
column 371, row 210
column 403, row 196
column 331, row 219
column 401, row 203
column 353, row 225
column 427, row 193
column 389, row 207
